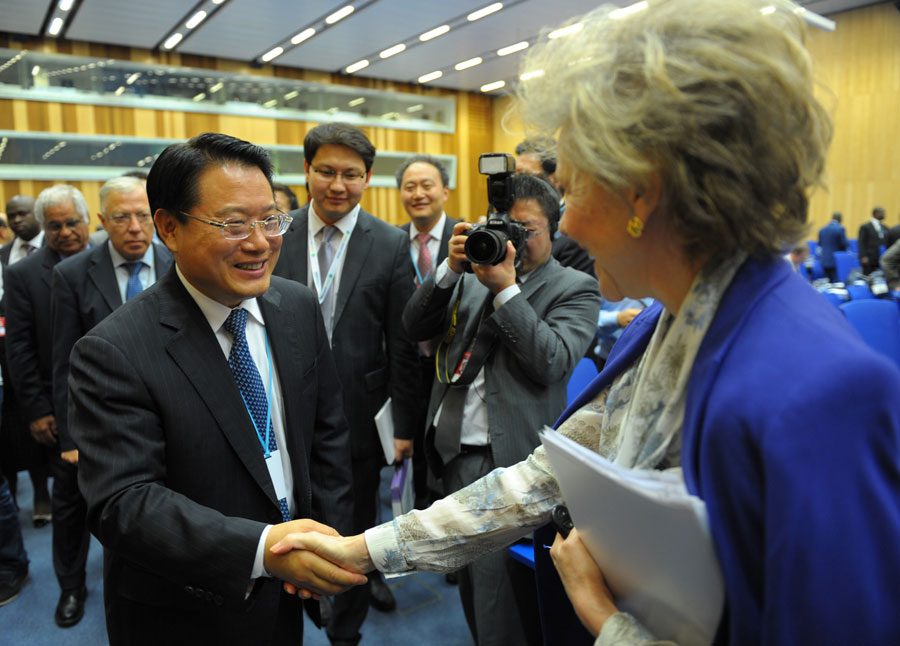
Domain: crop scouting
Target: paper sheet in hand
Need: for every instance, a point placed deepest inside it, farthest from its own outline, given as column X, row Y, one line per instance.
column 384, row 422
column 649, row 537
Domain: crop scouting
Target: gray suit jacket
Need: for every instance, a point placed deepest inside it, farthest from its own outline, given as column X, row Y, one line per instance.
column 84, row 292
column 541, row 334
column 172, row 469
column 374, row 357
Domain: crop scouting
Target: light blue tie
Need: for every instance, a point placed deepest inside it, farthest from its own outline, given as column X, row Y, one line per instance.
column 248, row 381
column 134, row 286
column 326, row 255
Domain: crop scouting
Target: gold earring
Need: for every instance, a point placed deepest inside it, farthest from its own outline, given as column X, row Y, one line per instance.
column 635, row 227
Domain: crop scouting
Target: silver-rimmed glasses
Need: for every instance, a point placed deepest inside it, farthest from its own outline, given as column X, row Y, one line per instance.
column 239, row 227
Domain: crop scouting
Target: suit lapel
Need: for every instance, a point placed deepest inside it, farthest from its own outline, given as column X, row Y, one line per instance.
column 48, row 262
column 300, row 249
column 193, row 347
column 354, row 260
column 103, row 275
column 449, row 223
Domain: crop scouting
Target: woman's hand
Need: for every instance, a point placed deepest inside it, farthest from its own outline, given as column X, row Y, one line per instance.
column 583, row 581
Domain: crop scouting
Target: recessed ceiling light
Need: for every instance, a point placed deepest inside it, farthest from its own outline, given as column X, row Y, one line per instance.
column 472, row 62
column 355, row 102
column 390, row 51
column 486, row 11
column 434, row 33
column 630, row 9
column 518, row 47
column 173, row 40
column 196, row 19
column 65, row 5
column 527, row 76
column 496, row 85
column 430, row 76
column 275, row 52
column 55, row 26
column 358, row 65
column 568, row 30
column 293, row 94
column 303, row 35
column 340, row 14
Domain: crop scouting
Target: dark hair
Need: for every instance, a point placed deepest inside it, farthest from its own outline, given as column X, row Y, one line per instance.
column 341, row 134
column 292, row 197
column 137, row 174
column 544, row 148
column 878, row 209
column 172, row 182
column 530, row 187
column 425, row 159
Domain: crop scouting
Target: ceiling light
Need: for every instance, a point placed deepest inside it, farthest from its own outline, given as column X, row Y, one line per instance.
column 481, row 13
column 434, row 33
column 271, row 103
column 65, row 5
column 430, row 76
column 339, row 14
column 390, row 51
column 512, row 49
column 131, row 79
column 527, row 76
column 196, row 19
column 767, row 10
column 416, row 108
column 35, row 70
column 55, row 26
column 355, row 102
column 390, row 115
column 119, row 91
column 272, row 53
column 218, row 1
column 173, row 40
column 303, row 35
column 199, row 97
column 568, row 30
column 215, row 88
column 293, row 94
column 358, row 65
column 472, row 62
column 496, row 85
column 627, row 11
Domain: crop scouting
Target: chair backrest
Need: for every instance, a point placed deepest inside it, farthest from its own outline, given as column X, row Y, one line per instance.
column 844, row 263
column 853, row 245
column 813, row 247
column 834, row 298
column 878, row 323
column 584, row 372
column 858, row 292
column 816, row 271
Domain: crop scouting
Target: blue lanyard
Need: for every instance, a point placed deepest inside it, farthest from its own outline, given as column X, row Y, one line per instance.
column 259, row 435
column 416, row 267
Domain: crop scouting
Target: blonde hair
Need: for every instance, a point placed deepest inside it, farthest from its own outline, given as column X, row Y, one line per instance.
column 716, row 96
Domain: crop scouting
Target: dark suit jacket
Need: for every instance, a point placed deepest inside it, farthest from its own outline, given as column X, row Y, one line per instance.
column 29, row 331
column 541, row 335
column 172, row 470
column 374, row 357
column 832, row 237
column 869, row 243
column 446, row 234
column 570, row 254
column 84, row 292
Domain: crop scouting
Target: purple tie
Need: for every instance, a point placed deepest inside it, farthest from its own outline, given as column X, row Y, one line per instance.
column 425, row 260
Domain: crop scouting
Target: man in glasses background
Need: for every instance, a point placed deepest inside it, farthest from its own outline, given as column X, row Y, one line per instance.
column 359, row 267
column 207, row 414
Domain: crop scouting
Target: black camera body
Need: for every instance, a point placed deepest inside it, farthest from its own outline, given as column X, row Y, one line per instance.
column 486, row 243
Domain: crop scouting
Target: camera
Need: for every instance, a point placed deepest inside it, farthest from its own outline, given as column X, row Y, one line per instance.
column 486, row 243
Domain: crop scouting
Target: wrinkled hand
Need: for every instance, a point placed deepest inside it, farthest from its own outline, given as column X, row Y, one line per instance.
column 43, row 430
column 498, row 277
column 70, row 456
column 625, row 317
column 583, row 580
column 456, row 253
column 308, row 573
column 349, row 552
column 402, row 449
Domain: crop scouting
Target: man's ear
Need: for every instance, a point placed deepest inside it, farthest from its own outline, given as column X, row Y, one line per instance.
column 166, row 225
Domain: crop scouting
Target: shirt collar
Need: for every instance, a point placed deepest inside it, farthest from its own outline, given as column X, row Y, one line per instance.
column 436, row 231
column 118, row 260
column 345, row 224
column 35, row 242
column 214, row 311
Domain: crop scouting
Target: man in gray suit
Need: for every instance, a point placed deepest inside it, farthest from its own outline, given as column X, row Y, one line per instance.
column 359, row 267
column 510, row 341
column 207, row 414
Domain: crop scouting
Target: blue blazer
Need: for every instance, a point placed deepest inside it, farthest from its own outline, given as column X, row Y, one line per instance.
column 832, row 237
column 792, row 438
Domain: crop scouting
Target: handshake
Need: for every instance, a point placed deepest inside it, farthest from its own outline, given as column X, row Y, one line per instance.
column 313, row 559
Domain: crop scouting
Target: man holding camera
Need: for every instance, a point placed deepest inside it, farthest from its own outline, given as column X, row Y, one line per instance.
column 511, row 334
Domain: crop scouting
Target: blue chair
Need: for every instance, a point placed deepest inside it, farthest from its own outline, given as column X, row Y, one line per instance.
column 584, row 372
column 844, row 263
column 853, row 245
column 816, row 271
column 835, row 299
column 859, row 292
column 878, row 323
column 813, row 248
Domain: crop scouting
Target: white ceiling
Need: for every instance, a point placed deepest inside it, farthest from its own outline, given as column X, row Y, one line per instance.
column 245, row 29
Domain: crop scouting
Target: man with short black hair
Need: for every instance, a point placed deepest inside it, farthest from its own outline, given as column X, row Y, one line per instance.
column 510, row 340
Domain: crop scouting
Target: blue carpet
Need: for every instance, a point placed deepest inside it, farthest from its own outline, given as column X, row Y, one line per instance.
column 428, row 609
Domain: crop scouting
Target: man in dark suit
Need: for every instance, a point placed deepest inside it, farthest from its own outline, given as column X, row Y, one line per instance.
column 359, row 267
column 509, row 342
column 424, row 189
column 872, row 235
column 832, row 237
column 207, row 414
column 63, row 214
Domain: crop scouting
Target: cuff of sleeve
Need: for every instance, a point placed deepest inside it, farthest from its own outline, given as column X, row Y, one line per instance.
column 384, row 548
column 505, row 296
column 258, row 567
column 444, row 277
column 622, row 628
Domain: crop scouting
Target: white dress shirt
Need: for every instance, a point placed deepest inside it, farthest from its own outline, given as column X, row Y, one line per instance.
column 17, row 251
column 434, row 243
column 147, row 274
column 315, row 224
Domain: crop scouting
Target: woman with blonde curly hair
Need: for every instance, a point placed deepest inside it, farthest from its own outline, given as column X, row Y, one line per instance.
column 689, row 139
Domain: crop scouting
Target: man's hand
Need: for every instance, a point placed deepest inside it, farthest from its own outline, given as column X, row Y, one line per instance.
column 43, row 430
column 351, row 552
column 498, row 277
column 306, row 571
column 402, row 449
column 456, row 253
column 583, row 580
column 70, row 456
column 625, row 317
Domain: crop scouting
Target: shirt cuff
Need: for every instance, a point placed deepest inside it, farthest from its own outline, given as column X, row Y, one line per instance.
column 384, row 549
column 444, row 277
column 505, row 296
column 258, row 566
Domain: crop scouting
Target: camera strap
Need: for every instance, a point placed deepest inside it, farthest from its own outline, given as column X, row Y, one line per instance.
column 479, row 349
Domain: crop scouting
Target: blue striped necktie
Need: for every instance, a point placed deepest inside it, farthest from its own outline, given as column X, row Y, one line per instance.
column 134, row 286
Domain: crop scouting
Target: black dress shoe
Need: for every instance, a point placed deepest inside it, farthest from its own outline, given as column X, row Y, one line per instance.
column 70, row 608
column 10, row 587
column 380, row 595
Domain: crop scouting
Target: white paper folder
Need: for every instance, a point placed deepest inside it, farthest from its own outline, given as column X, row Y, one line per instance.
column 650, row 538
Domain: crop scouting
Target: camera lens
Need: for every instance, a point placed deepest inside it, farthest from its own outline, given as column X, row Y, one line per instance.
column 486, row 247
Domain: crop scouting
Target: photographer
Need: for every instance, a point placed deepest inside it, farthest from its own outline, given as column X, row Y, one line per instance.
column 511, row 339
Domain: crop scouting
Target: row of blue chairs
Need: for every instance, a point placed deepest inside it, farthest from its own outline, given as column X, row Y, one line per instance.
column 878, row 323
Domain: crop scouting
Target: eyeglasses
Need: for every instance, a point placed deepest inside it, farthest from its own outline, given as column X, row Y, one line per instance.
column 329, row 176
column 123, row 220
column 534, row 232
column 56, row 227
column 239, row 228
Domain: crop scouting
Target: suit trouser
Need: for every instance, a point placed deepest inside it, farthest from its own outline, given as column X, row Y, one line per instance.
column 498, row 594
column 71, row 538
column 351, row 607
